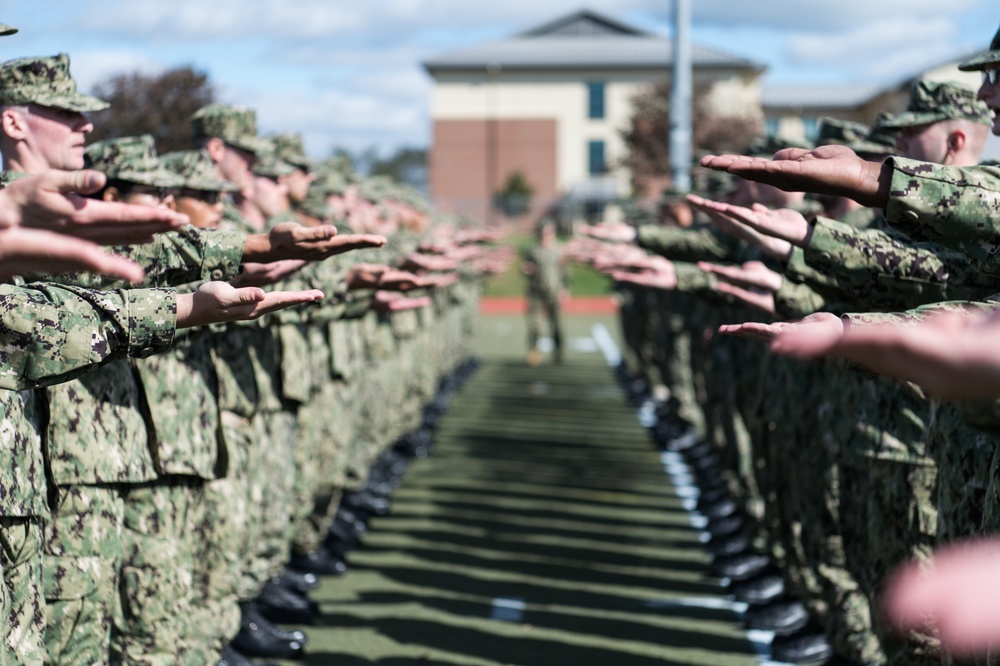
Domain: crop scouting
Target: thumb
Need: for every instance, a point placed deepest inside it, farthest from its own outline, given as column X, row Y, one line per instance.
column 250, row 295
column 86, row 181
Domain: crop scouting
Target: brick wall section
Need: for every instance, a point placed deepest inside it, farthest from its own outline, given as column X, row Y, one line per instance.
column 458, row 162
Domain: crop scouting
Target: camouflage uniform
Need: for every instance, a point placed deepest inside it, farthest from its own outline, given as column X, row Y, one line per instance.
column 53, row 334
column 112, row 487
column 545, row 286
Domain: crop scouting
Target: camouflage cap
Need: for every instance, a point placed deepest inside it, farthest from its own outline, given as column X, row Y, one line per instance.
column 46, row 82
column 836, row 132
column 986, row 59
column 934, row 101
column 132, row 159
column 268, row 163
column 289, row 149
column 767, row 146
column 7, row 29
column 881, row 140
column 196, row 171
column 235, row 125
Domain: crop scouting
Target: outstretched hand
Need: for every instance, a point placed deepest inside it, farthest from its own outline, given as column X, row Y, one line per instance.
column 953, row 355
column 824, row 328
column 774, row 231
column 753, row 283
column 833, row 170
column 220, row 302
column 53, row 200
column 26, row 251
column 260, row 275
column 291, row 240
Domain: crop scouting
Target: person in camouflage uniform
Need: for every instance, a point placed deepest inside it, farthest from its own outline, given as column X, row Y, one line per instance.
column 545, row 267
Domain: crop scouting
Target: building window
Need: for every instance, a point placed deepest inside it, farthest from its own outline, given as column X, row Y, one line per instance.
column 810, row 127
column 595, row 100
column 771, row 126
column 595, row 158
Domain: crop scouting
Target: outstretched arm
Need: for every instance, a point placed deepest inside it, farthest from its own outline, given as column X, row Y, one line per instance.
column 833, row 170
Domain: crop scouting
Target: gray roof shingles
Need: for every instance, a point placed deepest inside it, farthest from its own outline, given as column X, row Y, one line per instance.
column 583, row 40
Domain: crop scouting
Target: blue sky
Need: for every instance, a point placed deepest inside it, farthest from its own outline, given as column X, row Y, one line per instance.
column 348, row 74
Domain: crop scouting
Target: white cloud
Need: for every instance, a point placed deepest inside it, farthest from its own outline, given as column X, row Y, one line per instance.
column 90, row 67
column 899, row 46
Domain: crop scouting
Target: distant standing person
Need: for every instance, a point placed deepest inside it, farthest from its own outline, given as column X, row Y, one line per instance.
column 545, row 266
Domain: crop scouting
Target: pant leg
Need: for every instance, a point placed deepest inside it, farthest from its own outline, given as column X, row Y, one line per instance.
column 81, row 565
column 220, row 530
column 157, row 573
column 23, row 604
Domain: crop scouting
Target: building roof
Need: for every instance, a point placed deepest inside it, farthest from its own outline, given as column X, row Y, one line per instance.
column 582, row 40
column 818, row 96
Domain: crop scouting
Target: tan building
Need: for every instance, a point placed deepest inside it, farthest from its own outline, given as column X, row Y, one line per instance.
column 551, row 103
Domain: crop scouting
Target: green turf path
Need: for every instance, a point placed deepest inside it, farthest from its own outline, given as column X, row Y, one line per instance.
column 541, row 531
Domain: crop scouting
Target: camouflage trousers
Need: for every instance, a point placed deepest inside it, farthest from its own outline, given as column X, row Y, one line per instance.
column 544, row 310
column 220, row 531
column 326, row 425
column 22, row 604
column 901, row 522
column 81, row 565
column 271, row 471
column 157, row 572
column 964, row 455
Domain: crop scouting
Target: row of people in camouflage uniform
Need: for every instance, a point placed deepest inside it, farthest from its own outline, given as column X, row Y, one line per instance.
column 173, row 481
column 819, row 479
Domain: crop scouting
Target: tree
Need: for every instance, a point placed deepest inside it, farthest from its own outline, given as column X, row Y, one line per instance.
column 514, row 198
column 159, row 104
column 646, row 139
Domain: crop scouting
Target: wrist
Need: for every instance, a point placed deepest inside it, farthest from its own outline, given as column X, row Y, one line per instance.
column 257, row 248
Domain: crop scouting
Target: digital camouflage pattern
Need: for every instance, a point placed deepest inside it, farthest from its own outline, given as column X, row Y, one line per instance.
column 958, row 207
column 131, row 159
column 54, row 333
column 289, row 149
column 833, row 131
column 46, row 82
column 934, row 101
column 872, row 268
column 879, row 142
column 236, row 125
column 196, row 171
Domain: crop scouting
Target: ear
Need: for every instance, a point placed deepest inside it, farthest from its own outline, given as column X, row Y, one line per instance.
column 111, row 193
column 14, row 123
column 216, row 148
column 957, row 141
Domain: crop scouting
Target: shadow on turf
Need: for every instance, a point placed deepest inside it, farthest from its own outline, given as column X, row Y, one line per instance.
column 524, row 649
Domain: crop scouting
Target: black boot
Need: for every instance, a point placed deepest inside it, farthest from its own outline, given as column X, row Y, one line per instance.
column 807, row 645
column 299, row 581
column 763, row 589
column 320, row 562
column 782, row 617
column 740, row 567
column 284, row 606
column 259, row 638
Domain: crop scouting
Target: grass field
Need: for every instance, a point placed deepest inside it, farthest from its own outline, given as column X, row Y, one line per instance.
column 583, row 280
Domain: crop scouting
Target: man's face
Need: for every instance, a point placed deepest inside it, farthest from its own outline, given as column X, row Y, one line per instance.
column 270, row 195
column 990, row 93
column 56, row 136
column 236, row 166
column 927, row 143
column 298, row 184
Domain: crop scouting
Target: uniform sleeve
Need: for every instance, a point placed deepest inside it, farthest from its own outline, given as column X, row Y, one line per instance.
column 52, row 334
column 188, row 256
column 957, row 207
column 691, row 245
column 886, row 270
column 795, row 300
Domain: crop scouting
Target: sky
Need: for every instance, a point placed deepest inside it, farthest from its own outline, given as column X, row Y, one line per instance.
column 347, row 73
